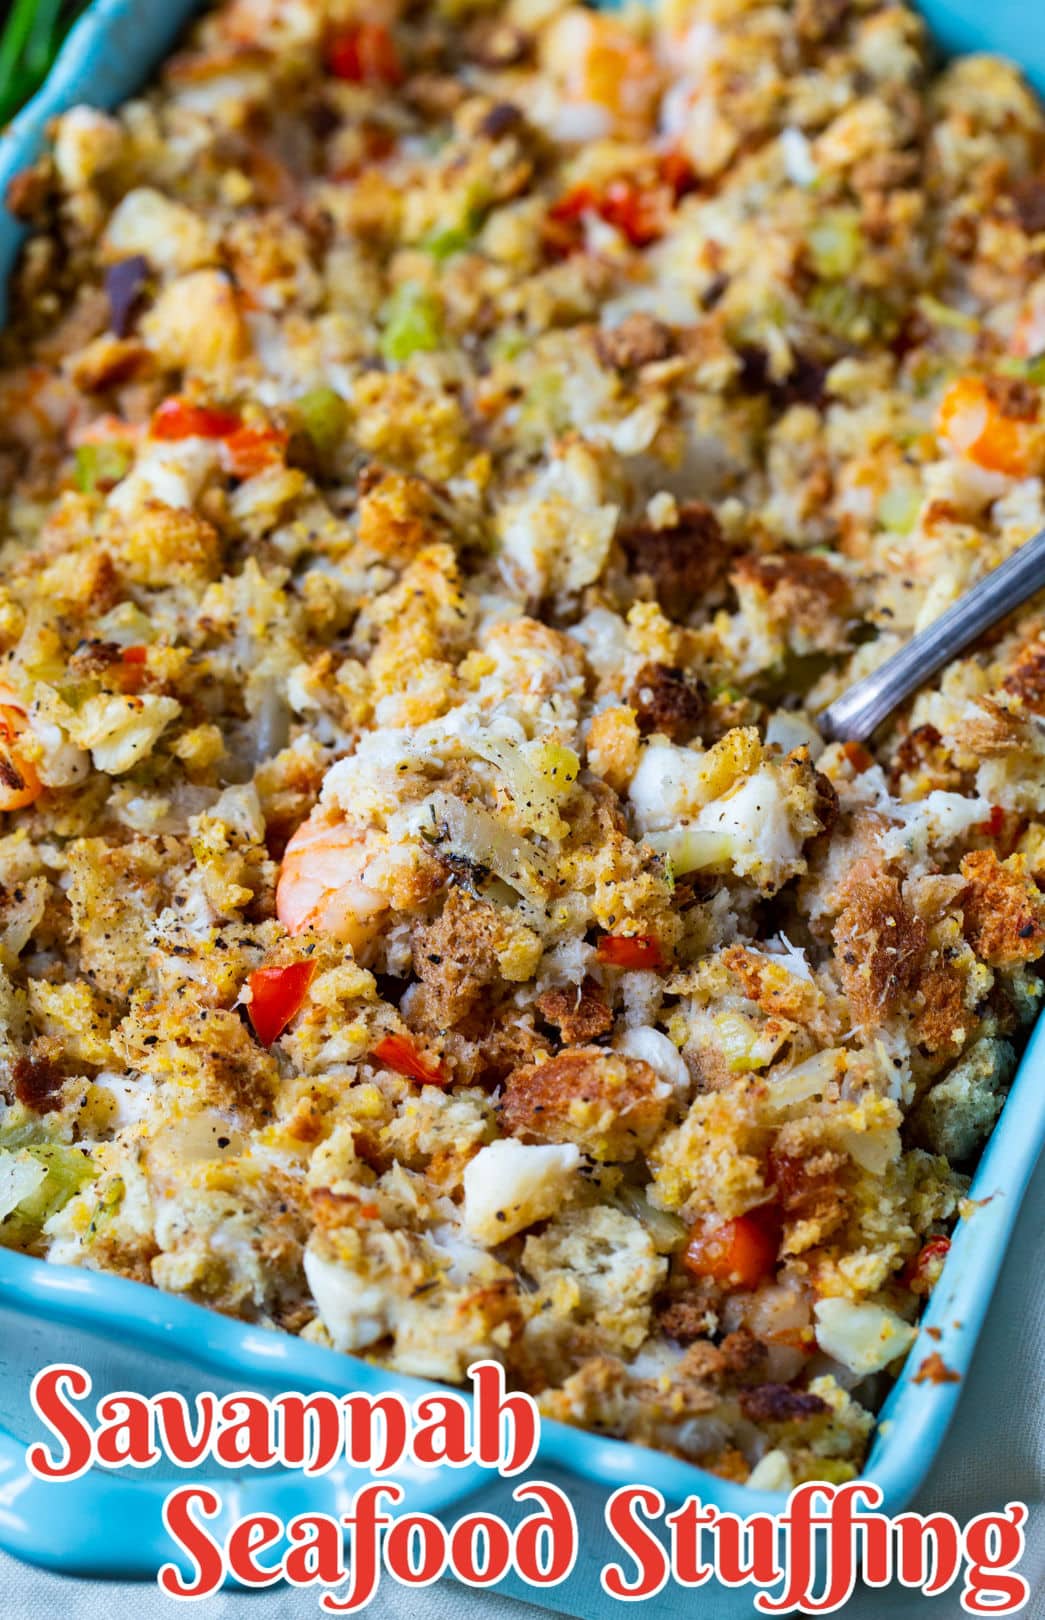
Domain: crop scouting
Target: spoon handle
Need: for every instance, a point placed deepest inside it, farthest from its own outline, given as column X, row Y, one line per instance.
column 862, row 707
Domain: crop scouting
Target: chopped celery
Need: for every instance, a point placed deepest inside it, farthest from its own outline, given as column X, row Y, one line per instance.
column 76, row 693
column 100, row 466
column 18, row 1127
column 460, row 230
column 794, row 675
column 944, row 315
column 109, row 1201
column 36, row 1181
column 1032, row 370
column 443, row 242
column 898, row 509
column 744, row 1047
column 544, row 406
column 855, row 314
column 323, row 417
column 67, row 1170
column 411, row 322
column 537, row 777
column 508, row 344
column 835, row 243
column 724, row 692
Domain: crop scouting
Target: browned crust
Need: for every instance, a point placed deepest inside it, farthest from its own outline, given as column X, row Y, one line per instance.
column 108, row 362
column 779, row 1403
column 1026, row 679
column 610, row 1105
column 639, row 340
column 744, row 1357
column 934, row 1370
column 801, row 586
column 819, row 20
column 665, row 700
column 880, row 947
column 1028, row 202
column 991, row 731
column 790, row 999
column 579, row 1012
column 940, row 1023
column 1004, row 913
column 396, row 513
column 37, row 1076
column 916, row 749
column 886, row 963
column 810, row 1188
column 455, row 958
column 331, row 1209
column 682, row 565
column 1015, row 398
column 683, row 1321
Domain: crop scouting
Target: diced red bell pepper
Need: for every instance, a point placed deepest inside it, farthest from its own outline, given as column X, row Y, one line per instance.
column 398, row 1052
column 634, row 210
column 678, row 173
column 572, row 204
column 740, row 1253
column 994, row 825
column 859, row 757
column 921, row 1271
column 132, row 669
column 250, row 450
column 276, row 994
column 19, row 783
column 365, row 54
column 178, row 419
column 563, row 232
column 630, row 951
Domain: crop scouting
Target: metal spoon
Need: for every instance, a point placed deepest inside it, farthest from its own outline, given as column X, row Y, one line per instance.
column 861, row 709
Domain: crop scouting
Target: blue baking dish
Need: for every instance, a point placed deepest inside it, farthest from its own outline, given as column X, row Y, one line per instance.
column 128, row 1335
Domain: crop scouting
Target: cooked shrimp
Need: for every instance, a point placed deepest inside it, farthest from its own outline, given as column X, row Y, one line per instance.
column 19, row 783
column 973, row 421
column 603, row 65
column 322, row 882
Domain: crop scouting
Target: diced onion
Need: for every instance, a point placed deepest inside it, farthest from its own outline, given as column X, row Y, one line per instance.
column 771, row 1473
column 863, row 1336
column 690, row 849
column 20, row 1176
column 667, row 1231
column 874, row 1150
column 474, row 832
column 537, row 778
column 805, row 1079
